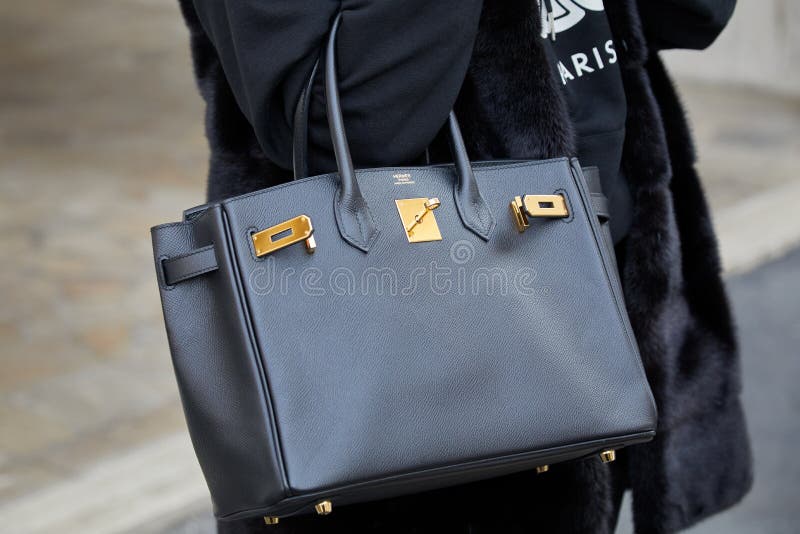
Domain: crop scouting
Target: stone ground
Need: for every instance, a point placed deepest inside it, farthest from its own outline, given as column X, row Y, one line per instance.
column 101, row 138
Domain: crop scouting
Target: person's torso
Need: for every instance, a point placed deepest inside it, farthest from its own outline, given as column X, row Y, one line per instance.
column 584, row 61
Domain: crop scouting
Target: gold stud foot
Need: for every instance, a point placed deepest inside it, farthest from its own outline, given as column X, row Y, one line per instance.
column 608, row 456
column 271, row 520
column 542, row 469
column 323, row 507
column 311, row 245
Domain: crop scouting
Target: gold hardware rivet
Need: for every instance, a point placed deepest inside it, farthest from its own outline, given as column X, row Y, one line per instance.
column 323, row 507
column 608, row 456
column 542, row 469
column 271, row 520
column 311, row 244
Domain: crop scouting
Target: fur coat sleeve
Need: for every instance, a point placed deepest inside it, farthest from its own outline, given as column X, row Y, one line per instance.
column 700, row 462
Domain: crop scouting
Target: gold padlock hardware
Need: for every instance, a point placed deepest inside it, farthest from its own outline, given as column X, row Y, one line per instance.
column 418, row 220
column 429, row 205
column 546, row 206
column 285, row 234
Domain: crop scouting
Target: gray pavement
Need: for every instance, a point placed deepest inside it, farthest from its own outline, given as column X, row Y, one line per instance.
column 767, row 307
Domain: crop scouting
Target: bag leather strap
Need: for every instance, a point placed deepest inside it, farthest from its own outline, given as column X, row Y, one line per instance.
column 187, row 266
column 300, row 128
column 599, row 201
column 353, row 217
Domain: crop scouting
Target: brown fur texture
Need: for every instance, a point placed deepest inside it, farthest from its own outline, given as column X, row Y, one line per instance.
column 510, row 107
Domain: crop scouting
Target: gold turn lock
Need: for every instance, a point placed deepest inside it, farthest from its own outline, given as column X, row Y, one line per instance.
column 544, row 206
column 285, row 234
column 418, row 219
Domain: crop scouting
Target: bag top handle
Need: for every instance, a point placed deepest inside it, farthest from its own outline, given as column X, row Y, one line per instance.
column 355, row 221
column 300, row 128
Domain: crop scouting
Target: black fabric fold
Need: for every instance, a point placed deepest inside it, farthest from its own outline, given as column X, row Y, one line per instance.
column 398, row 78
column 692, row 24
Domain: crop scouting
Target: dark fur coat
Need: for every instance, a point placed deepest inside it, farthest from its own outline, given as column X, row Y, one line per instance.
column 699, row 463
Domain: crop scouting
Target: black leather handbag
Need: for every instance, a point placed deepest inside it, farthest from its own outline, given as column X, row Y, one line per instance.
column 370, row 333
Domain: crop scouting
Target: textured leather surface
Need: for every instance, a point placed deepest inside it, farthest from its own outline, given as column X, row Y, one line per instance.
column 388, row 367
column 368, row 381
column 372, row 385
column 189, row 265
column 220, row 379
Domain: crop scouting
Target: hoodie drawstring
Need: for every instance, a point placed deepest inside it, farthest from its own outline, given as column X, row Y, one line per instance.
column 547, row 5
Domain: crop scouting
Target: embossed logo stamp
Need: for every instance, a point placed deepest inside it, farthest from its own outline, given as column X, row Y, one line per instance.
column 402, row 179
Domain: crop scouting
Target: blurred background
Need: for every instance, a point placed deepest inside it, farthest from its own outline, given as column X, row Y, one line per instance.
column 101, row 137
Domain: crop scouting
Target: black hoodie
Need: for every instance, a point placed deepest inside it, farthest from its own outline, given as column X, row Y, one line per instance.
column 401, row 66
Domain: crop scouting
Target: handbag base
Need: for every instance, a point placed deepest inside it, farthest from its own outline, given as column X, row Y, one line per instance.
column 322, row 502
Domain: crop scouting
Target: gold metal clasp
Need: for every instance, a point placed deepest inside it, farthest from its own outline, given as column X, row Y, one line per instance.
column 547, row 206
column 418, row 219
column 518, row 214
column 284, row 234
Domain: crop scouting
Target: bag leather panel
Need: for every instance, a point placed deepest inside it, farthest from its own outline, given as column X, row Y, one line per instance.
column 365, row 386
column 217, row 372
